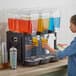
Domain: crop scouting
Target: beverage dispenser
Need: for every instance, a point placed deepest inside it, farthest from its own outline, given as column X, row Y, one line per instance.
column 27, row 34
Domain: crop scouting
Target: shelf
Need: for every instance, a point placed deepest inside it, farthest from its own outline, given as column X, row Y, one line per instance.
column 36, row 70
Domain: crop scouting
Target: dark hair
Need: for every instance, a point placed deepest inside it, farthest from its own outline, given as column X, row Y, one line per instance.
column 73, row 19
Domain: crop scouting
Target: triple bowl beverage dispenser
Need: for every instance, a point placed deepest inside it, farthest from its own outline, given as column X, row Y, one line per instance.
column 31, row 33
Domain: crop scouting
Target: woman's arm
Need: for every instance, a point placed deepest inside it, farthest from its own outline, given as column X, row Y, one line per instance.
column 70, row 50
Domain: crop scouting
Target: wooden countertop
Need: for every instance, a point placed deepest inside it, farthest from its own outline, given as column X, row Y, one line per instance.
column 35, row 70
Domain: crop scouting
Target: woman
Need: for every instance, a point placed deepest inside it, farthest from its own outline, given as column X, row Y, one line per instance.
column 70, row 51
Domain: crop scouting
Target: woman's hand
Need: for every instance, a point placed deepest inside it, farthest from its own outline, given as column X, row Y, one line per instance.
column 62, row 45
column 46, row 46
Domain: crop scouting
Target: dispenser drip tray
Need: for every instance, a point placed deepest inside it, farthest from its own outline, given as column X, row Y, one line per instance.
column 32, row 61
